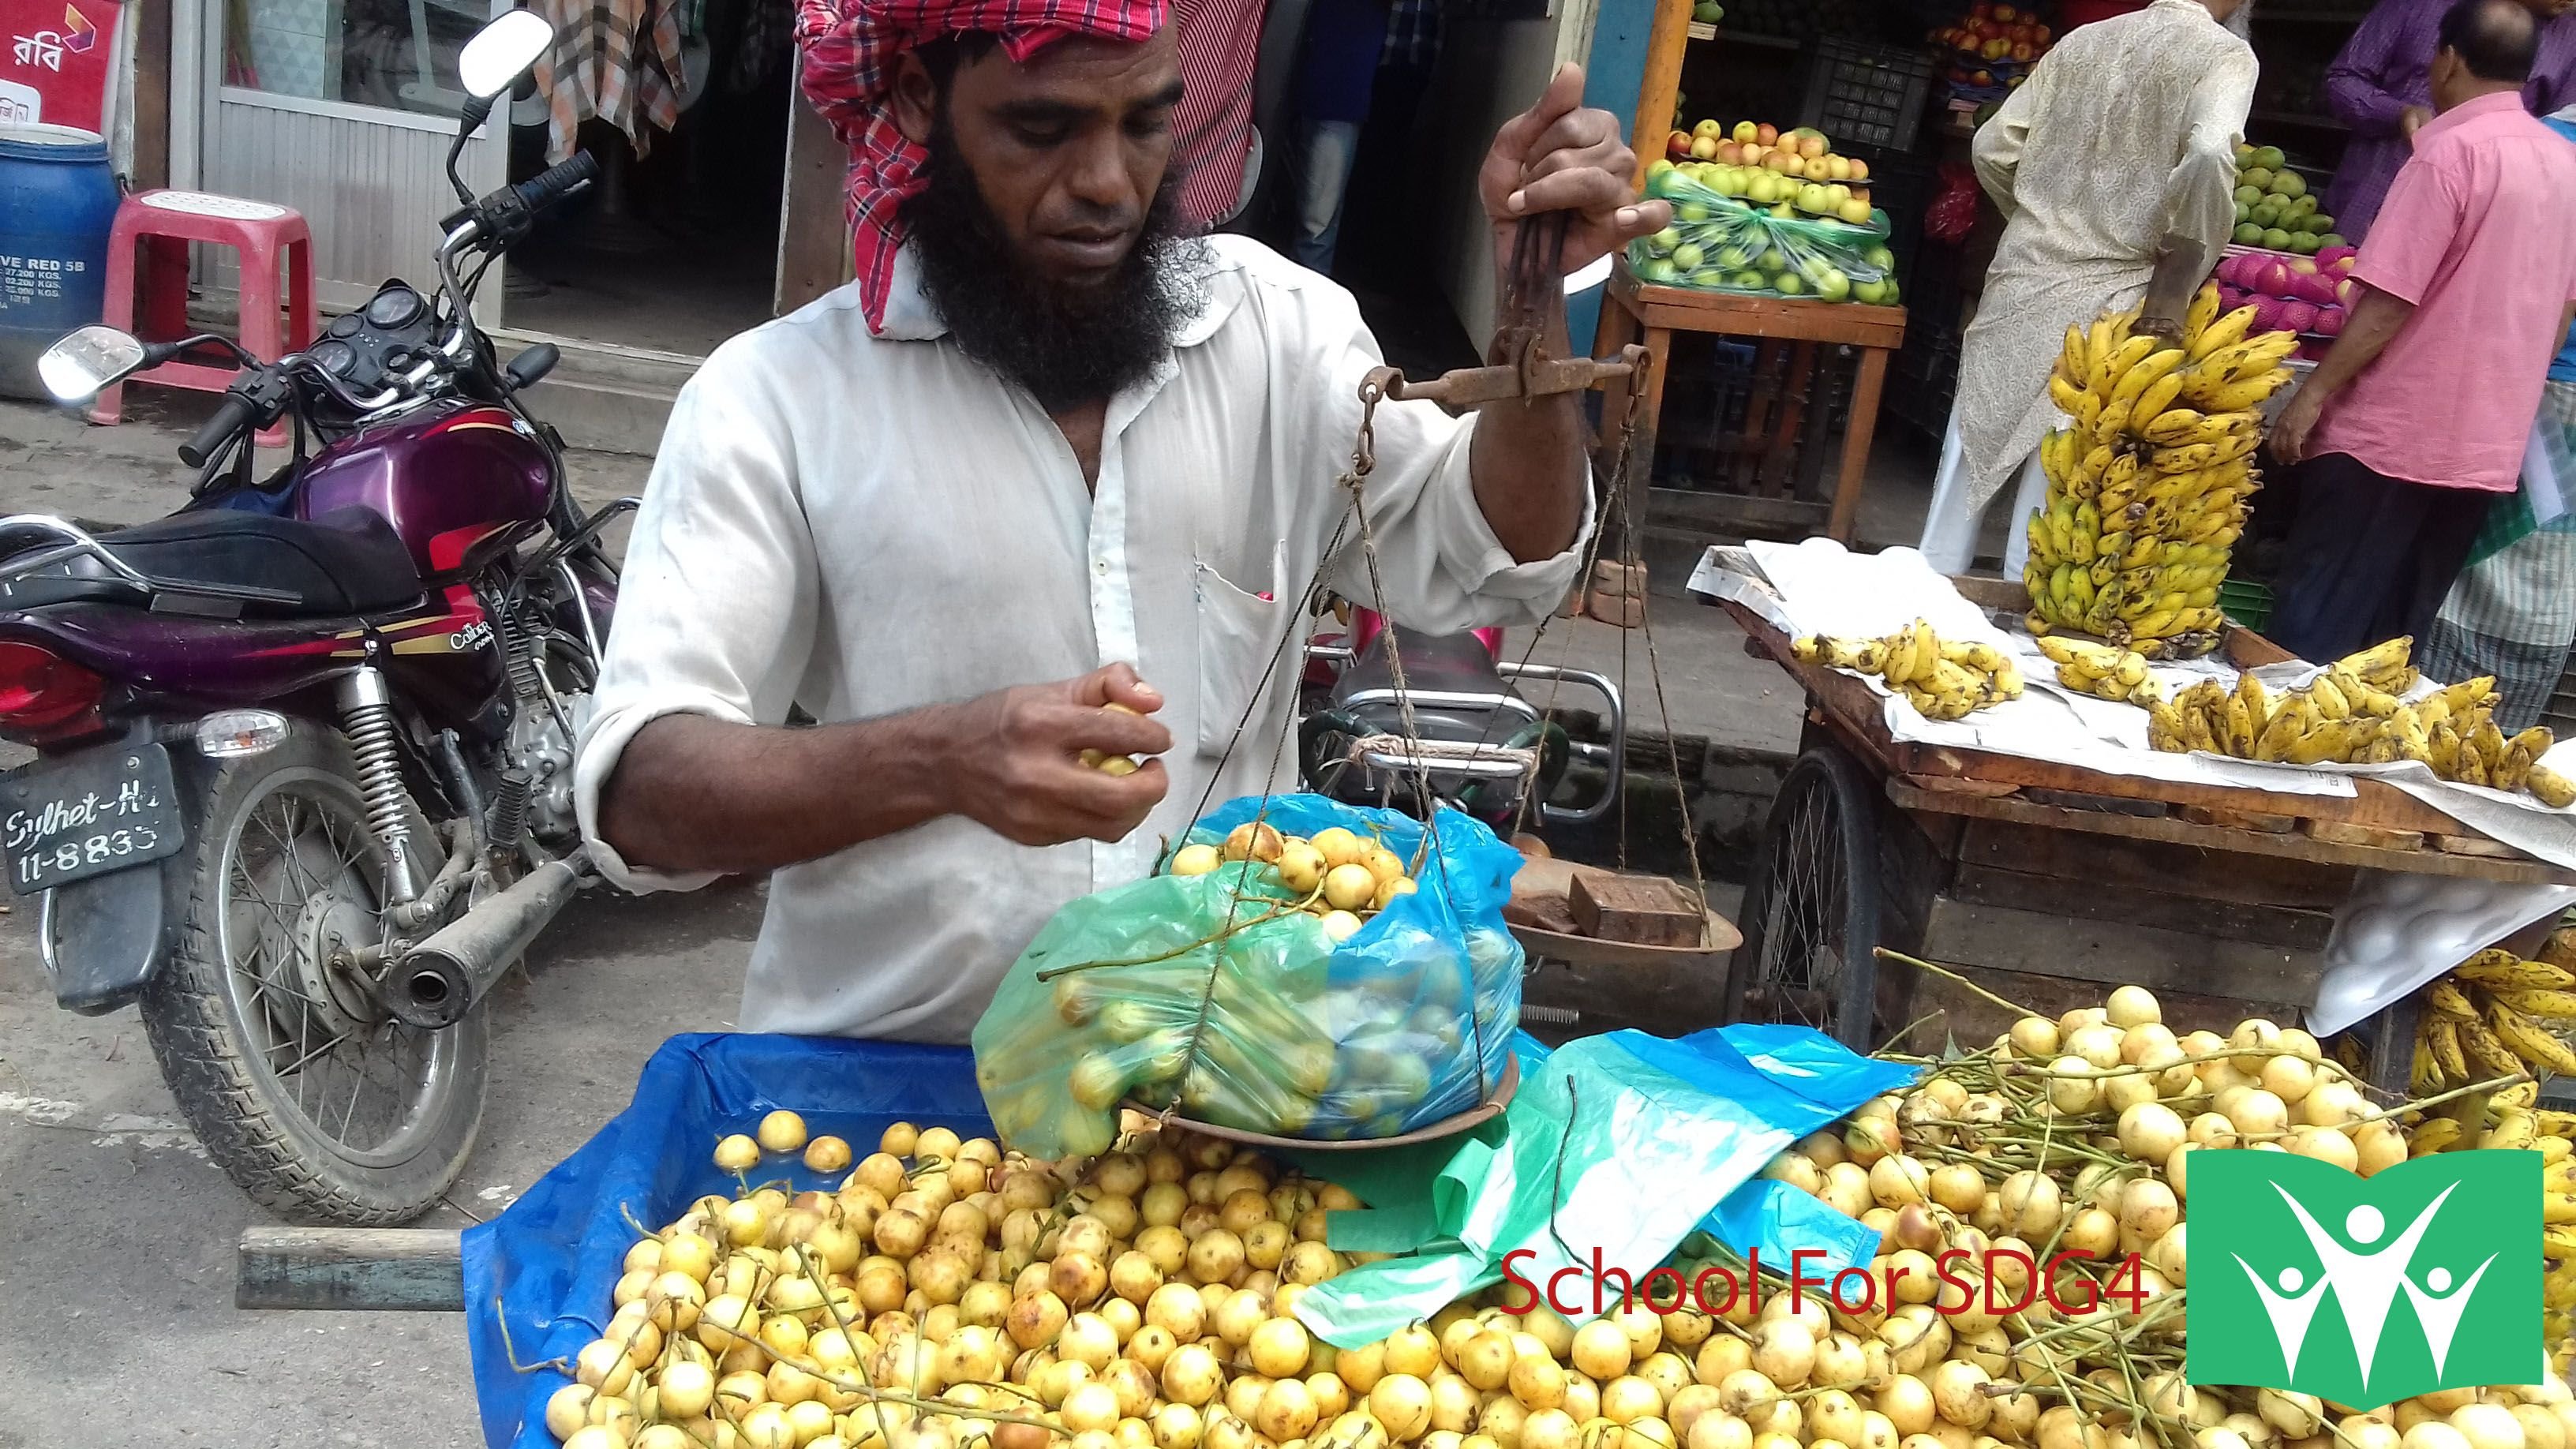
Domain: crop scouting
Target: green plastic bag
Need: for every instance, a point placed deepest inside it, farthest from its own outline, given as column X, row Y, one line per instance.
column 1722, row 243
column 1213, row 993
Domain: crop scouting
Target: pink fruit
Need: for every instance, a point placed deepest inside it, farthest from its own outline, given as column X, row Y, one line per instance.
column 2267, row 314
column 2328, row 256
column 2348, row 291
column 2329, row 322
column 2297, row 317
column 2275, row 281
column 2315, row 287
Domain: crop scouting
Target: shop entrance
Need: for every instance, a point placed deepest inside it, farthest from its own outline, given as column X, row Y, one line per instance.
column 676, row 249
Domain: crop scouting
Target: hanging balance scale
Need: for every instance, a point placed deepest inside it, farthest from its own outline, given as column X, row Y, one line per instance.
column 1523, row 369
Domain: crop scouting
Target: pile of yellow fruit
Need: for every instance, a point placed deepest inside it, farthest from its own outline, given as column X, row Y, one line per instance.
column 2104, row 671
column 2076, row 1134
column 2147, row 487
column 1942, row 678
column 1337, row 874
column 2352, row 713
column 950, row 1295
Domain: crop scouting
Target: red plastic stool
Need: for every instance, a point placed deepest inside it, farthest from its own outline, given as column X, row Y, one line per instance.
column 157, row 226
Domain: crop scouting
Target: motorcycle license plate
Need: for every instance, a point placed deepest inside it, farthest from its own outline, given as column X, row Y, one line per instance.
column 105, row 809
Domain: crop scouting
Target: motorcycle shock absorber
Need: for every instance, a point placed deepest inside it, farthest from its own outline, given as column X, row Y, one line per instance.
column 367, row 716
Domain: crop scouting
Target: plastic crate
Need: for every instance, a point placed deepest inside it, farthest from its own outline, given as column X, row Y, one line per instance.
column 2246, row 603
column 1868, row 94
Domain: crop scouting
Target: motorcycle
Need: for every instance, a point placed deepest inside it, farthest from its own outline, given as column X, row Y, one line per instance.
column 1480, row 744
column 303, row 787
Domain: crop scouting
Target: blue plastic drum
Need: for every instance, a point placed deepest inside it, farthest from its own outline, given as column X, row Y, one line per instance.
column 57, row 201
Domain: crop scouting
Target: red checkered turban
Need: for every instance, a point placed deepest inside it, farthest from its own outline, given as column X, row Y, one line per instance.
column 848, row 50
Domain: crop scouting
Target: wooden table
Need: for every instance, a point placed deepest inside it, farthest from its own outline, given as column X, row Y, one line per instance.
column 1635, row 307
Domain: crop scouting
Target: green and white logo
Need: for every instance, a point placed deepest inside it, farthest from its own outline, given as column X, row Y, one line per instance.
column 2365, row 1291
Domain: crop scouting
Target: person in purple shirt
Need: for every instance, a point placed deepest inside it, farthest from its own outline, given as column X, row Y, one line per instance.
column 2381, row 86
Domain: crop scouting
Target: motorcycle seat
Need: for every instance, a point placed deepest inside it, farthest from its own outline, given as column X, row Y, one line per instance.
column 1433, row 664
column 347, row 561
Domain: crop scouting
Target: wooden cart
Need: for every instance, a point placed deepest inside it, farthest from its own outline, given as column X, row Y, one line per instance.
column 2057, row 881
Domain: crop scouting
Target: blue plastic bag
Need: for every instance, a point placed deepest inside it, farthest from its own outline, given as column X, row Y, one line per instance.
column 538, row 1277
column 1404, row 1023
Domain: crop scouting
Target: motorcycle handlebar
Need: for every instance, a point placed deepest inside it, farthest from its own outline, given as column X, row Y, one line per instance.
column 556, row 183
column 233, row 414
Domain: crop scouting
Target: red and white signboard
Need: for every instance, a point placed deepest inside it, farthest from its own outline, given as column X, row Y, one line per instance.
column 54, row 61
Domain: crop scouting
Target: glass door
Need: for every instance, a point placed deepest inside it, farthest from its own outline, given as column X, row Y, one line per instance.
column 343, row 109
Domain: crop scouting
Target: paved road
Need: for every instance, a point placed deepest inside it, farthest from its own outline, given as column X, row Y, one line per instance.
column 116, row 1233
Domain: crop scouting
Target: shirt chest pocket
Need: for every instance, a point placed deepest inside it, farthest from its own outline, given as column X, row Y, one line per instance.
column 1239, row 634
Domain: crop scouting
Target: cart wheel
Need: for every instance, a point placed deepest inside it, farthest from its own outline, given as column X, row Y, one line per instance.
column 1810, row 914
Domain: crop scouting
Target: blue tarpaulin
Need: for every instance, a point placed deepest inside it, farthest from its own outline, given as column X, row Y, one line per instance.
column 1707, row 1108
column 545, row 1267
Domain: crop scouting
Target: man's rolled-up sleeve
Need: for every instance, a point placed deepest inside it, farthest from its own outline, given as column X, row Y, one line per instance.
column 716, row 607
column 1442, row 568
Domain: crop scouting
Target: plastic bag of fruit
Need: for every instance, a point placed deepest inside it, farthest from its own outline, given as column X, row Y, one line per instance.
column 1297, row 966
column 1790, row 247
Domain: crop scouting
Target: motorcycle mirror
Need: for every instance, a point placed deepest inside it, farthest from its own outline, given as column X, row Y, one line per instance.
column 75, row 368
column 494, row 59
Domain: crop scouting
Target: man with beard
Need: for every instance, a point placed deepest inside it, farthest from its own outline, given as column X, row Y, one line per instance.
column 1043, row 451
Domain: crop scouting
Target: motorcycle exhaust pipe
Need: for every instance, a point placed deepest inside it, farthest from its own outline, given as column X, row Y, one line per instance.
column 441, row 979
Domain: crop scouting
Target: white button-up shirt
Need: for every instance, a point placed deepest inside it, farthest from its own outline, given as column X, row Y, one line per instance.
column 865, row 525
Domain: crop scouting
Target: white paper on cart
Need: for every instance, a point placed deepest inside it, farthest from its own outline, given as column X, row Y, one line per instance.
column 2399, row 930
column 1820, row 587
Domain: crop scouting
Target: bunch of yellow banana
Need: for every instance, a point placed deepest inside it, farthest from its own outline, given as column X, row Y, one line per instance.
column 1943, row 678
column 2497, row 1015
column 2104, row 671
column 2494, row 1015
column 2147, row 490
column 2351, row 713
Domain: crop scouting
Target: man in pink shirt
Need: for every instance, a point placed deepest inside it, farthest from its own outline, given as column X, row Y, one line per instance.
column 2418, row 416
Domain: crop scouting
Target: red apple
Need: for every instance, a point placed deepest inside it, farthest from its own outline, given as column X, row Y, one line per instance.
column 1982, row 78
column 1678, row 144
column 1767, row 134
column 2039, row 34
column 1859, row 168
column 2024, row 54
column 1811, row 147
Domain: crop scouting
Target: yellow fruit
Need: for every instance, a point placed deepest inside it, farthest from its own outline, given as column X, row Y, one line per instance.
column 2486, row 1053
column 2225, row 332
column 2436, row 1134
column 2531, row 1041
column 2442, row 1035
column 2541, row 1002
column 2500, row 970
column 2195, row 318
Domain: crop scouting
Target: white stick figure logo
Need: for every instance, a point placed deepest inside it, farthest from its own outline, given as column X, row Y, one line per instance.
column 2365, row 1284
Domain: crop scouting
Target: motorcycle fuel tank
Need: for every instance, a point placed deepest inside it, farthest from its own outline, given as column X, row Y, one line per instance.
column 452, row 478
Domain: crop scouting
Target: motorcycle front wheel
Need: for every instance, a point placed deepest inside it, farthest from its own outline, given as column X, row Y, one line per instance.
column 313, row 1099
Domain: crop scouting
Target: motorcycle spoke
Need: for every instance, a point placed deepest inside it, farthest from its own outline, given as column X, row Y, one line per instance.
column 364, row 1083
